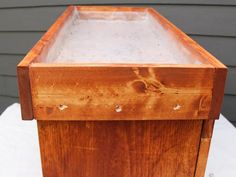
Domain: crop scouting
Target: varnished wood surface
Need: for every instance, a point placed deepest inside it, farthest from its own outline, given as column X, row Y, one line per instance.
column 119, row 148
column 25, row 93
column 35, row 54
column 202, row 157
column 206, row 135
column 142, row 93
column 218, row 92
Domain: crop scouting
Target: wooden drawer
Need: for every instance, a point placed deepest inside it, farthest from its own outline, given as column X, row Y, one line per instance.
column 120, row 91
column 156, row 89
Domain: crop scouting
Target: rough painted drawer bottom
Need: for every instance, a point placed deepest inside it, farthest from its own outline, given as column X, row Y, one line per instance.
column 119, row 148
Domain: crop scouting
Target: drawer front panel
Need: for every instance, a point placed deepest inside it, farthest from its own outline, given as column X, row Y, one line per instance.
column 121, row 93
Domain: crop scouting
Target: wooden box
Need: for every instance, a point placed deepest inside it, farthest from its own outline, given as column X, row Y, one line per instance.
column 120, row 92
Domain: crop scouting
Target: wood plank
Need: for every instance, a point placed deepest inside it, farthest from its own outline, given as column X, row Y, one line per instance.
column 207, row 128
column 119, row 148
column 9, row 87
column 25, row 93
column 9, row 83
column 218, row 92
column 202, row 157
column 9, row 62
column 147, row 92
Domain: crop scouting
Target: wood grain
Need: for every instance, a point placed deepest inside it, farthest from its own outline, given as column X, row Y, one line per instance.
column 143, row 93
column 207, row 128
column 119, row 148
column 218, row 92
column 25, row 93
column 202, row 157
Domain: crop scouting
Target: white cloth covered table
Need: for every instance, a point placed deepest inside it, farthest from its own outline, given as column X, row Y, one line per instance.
column 20, row 156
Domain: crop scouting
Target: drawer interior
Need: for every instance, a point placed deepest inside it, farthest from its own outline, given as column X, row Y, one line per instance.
column 117, row 37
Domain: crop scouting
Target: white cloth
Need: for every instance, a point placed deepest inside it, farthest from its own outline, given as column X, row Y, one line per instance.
column 19, row 147
column 222, row 156
column 20, row 155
